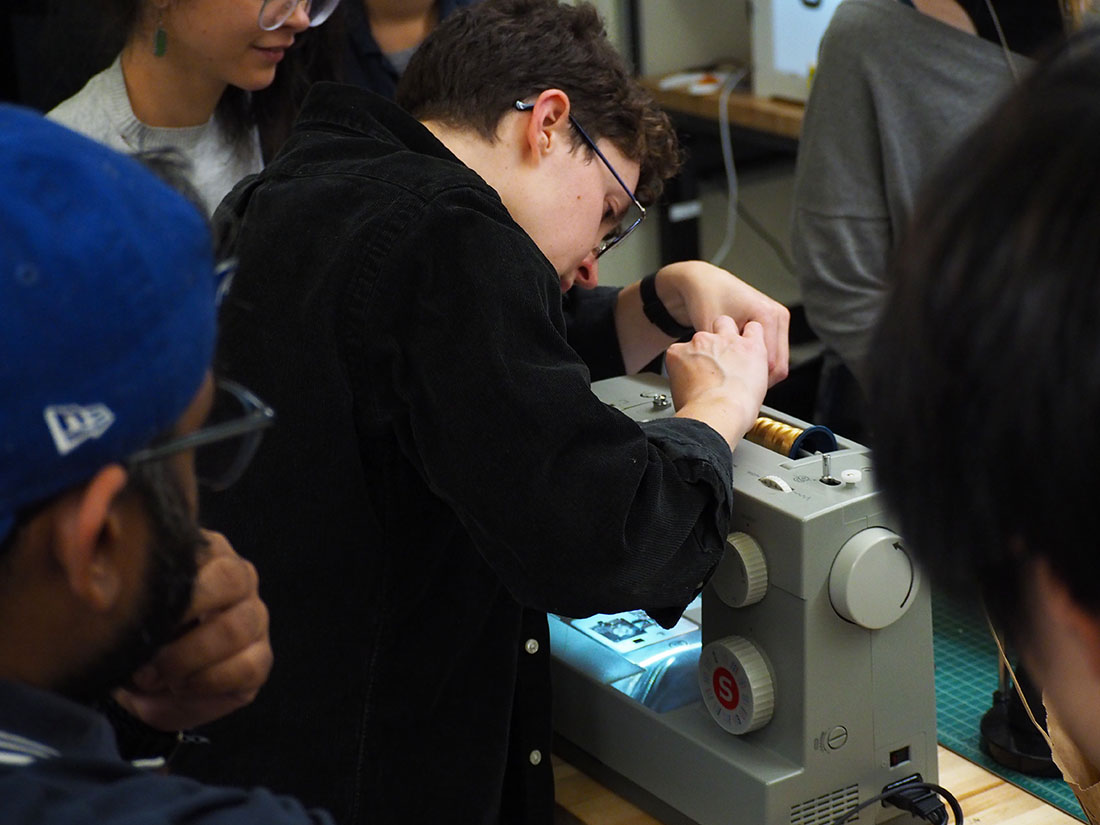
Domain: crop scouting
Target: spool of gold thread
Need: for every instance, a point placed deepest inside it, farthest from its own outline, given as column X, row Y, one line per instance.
column 775, row 435
column 788, row 439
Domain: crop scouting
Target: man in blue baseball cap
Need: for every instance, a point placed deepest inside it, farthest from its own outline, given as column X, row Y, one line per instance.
column 109, row 417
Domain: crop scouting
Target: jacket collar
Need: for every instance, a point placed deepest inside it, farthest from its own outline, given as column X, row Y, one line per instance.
column 36, row 724
column 349, row 107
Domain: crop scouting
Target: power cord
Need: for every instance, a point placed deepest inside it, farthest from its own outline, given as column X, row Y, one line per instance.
column 767, row 237
column 735, row 76
column 734, row 206
column 914, row 795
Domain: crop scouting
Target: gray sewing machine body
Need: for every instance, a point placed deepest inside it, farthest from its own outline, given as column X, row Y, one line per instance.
column 826, row 670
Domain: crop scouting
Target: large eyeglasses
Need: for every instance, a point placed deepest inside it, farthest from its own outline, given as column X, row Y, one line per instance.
column 226, row 443
column 273, row 13
column 635, row 213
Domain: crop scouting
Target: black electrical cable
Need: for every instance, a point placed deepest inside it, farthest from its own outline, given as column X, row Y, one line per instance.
column 756, row 226
column 945, row 794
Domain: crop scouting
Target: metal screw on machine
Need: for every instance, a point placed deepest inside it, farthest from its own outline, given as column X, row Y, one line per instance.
column 661, row 400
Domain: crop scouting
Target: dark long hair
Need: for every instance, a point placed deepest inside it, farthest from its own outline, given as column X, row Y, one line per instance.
column 314, row 56
column 985, row 365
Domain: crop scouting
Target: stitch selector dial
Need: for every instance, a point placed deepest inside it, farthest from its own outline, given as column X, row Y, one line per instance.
column 737, row 684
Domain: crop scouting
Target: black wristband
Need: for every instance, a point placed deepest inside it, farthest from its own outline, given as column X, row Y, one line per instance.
column 658, row 313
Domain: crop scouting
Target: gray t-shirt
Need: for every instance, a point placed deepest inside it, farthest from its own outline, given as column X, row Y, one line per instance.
column 101, row 110
column 894, row 91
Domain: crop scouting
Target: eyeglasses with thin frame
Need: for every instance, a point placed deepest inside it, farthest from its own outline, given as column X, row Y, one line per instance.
column 221, row 462
column 618, row 235
column 274, row 13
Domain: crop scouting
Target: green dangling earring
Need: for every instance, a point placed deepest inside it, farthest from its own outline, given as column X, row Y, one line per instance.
column 160, row 36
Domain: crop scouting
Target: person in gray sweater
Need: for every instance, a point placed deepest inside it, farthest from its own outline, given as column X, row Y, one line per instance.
column 897, row 85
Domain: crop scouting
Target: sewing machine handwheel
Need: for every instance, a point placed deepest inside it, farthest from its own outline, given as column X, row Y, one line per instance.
column 873, row 581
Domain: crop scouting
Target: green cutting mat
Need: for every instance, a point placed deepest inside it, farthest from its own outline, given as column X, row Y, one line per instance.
column 966, row 676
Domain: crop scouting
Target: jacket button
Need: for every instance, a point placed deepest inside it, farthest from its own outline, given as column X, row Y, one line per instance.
column 535, row 757
column 531, row 646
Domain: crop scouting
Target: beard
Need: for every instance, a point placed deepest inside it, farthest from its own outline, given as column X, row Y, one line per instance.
column 174, row 543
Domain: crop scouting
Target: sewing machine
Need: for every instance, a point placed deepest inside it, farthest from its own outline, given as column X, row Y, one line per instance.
column 802, row 684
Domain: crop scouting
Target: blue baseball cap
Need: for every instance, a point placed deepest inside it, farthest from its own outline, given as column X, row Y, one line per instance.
column 107, row 308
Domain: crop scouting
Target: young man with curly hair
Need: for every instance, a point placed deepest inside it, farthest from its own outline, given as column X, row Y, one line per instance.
column 443, row 475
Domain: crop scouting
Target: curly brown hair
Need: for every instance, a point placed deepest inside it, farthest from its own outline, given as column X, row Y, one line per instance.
column 474, row 66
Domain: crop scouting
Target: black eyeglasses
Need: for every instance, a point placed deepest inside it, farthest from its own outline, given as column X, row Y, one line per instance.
column 225, row 445
column 631, row 220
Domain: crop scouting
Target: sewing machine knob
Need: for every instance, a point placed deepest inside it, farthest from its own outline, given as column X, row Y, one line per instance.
column 741, row 578
column 776, row 483
column 873, row 581
column 737, row 684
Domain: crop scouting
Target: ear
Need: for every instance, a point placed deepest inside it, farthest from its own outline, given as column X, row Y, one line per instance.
column 1067, row 615
column 548, row 124
column 89, row 539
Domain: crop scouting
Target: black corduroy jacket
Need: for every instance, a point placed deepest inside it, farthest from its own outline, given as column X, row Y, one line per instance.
column 440, row 477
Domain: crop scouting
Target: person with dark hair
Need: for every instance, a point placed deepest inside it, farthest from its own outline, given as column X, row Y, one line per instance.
column 200, row 76
column 443, row 474
column 119, row 617
column 897, row 84
column 383, row 35
column 984, row 379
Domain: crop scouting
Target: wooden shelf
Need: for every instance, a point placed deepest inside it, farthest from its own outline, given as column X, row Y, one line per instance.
column 780, row 118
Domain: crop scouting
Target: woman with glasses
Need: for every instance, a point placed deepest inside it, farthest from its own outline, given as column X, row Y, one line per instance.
column 217, row 80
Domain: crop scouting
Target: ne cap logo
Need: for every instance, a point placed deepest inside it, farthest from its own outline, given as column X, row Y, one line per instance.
column 73, row 424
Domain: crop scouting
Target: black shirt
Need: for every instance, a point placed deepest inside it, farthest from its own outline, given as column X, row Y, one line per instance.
column 364, row 64
column 440, row 476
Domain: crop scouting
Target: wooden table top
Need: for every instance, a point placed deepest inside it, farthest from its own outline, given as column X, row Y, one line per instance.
column 984, row 797
column 774, row 117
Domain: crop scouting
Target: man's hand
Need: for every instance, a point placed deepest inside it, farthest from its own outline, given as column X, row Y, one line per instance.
column 720, row 377
column 223, row 659
column 696, row 293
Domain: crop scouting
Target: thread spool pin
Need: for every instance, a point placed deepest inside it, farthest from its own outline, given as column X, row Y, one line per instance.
column 826, row 471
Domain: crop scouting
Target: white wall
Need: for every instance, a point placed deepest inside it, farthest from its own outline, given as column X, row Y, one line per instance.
column 678, row 34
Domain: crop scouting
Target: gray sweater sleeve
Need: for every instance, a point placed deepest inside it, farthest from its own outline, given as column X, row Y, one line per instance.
column 841, row 233
column 893, row 92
